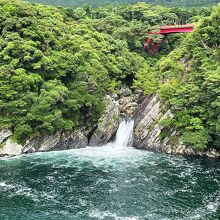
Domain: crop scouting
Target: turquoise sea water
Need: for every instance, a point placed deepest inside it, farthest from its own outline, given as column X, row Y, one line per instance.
column 109, row 183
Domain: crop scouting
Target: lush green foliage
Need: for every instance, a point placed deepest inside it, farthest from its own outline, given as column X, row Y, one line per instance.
column 57, row 65
column 189, row 83
column 170, row 3
column 55, row 71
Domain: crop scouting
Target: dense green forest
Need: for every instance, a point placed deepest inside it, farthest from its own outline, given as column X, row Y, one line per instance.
column 169, row 3
column 188, row 80
column 192, row 84
column 57, row 65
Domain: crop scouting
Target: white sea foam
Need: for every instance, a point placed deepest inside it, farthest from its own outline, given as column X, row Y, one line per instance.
column 101, row 215
column 3, row 184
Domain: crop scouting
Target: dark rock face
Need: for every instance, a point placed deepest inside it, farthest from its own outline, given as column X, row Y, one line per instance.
column 76, row 140
column 107, row 125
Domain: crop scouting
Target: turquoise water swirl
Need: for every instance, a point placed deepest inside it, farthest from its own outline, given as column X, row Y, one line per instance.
column 109, row 183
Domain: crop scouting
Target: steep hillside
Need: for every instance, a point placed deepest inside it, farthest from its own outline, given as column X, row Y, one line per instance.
column 189, row 82
column 55, row 71
column 57, row 65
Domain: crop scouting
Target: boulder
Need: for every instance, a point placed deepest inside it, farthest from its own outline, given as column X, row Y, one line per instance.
column 212, row 153
column 128, row 105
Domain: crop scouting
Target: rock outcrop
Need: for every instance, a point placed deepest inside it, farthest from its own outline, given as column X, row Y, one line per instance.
column 149, row 133
column 10, row 148
column 107, row 125
column 52, row 142
column 7, row 146
column 57, row 141
column 127, row 105
column 148, row 129
column 4, row 134
column 128, row 102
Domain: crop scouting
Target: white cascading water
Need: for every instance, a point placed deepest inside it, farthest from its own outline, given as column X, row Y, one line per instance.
column 124, row 135
column 121, row 148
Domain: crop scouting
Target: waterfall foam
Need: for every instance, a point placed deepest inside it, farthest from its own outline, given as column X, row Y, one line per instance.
column 124, row 135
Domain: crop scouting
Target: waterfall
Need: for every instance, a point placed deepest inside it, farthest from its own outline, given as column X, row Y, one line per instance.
column 124, row 135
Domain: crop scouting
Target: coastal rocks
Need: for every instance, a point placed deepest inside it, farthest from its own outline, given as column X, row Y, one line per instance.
column 43, row 143
column 148, row 131
column 151, row 135
column 7, row 146
column 146, row 127
column 107, row 125
column 147, row 112
column 10, row 149
column 212, row 153
column 57, row 141
column 178, row 149
column 76, row 140
column 53, row 142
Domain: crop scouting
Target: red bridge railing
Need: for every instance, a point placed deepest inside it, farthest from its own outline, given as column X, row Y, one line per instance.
column 170, row 29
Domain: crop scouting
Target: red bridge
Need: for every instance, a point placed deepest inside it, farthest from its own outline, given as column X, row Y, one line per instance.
column 165, row 30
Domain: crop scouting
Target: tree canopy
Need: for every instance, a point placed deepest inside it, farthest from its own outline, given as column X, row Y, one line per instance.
column 55, row 70
column 169, row 3
column 188, row 80
column 58, row 64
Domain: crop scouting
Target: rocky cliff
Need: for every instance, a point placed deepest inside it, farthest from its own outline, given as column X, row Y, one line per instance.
column 148, row 129
column 99, row 135
column 147, row 112
column 149, row 133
